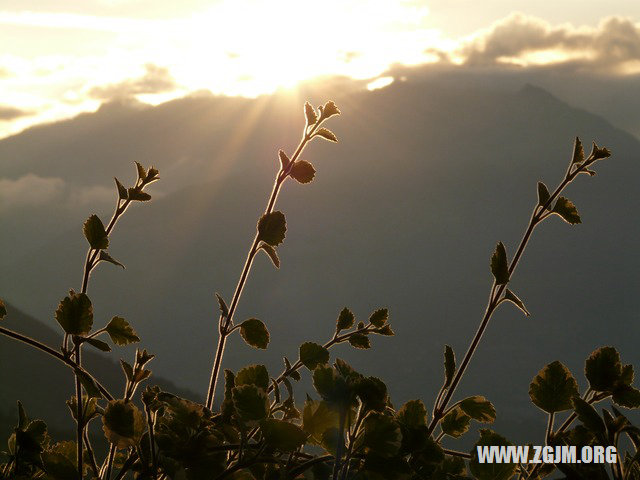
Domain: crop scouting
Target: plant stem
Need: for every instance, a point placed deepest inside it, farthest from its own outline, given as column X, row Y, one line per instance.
column 225, row 322
column 340, row 445
column 92, row 456
column 549, row 433
column 152, row 443
column 79, row 413
column 540, row 212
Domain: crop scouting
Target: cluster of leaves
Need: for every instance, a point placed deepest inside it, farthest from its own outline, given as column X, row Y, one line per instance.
column 348, row 428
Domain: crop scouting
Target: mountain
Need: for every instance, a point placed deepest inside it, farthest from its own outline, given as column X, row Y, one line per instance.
column 43, row 384
column 404, row 212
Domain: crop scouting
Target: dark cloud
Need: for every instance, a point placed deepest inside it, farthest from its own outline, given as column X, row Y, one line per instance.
column 615, row 41
column 10, row 113
column 155, row 80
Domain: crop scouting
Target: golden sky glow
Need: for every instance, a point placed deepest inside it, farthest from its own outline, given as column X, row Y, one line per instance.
column 59, row 61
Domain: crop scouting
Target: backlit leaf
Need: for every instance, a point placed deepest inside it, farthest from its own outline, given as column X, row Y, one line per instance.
column 449, row 365
column 566, row 210
column 626, row 396
column 359, row 340
column 121, row 332
column 123, row 423
column 284, row 159
column 379, row 317
column 272, row 228
column 455, row 423
column 224, row 310
column 312, row 355
column 251, row 403
column 578, row 152
column 282, row 435
column 509, row 296
column 326, row 134
column 479, row 408
column 142, row 173
column 499, row 265
column 598, row 153
column 317, row 418
column 345, row 319
column 253, row 375
column 553, row 388
column 75, row 314
column 330, row 109
column 543, row 194
column 381, row 434
column 271, row 252
column 495, row 470
column 104, row 256
column 255, row 333
column 122, row 190
column 95, row 233
column 138, row 195
column 412, row 414
column 603, row 369
column 303, row 171
column 99, row 344
column 310, row 114
column 589, row 417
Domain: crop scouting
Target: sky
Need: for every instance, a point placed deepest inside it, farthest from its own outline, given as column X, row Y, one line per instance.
column 60, row 58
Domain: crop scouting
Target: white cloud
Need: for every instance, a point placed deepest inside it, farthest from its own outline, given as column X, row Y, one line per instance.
column 30, row 190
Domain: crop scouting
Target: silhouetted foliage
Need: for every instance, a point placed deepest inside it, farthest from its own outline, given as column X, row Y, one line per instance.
column 349, row 429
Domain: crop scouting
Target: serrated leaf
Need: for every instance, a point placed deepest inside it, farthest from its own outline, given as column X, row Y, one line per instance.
column 271, row 253
column 303, row 171
column 509, row 296
column 626, row 396
column 567, row 211
column 382, row 434
column 224, row 310
column 310, row 114
column 479, row 408
column 121, row 332
column 449, row 365
column 598, row 153
column 3, row 310
column 284, row 159
column 142, row 173
column 543, row 194
column 95, row 233
column 99, row 344
column 75, row 314
column 123, row 423
column 272, row 228
column 412, row 414
column 490, row 471
column 317, row 418
column 359, row 340
column 253, row 375
column 326, row 134
column 603, row 369
column 499, row 265
column 122, row 190
column 455, row 423
column 553, row 388
column 578, row 152
column 282, row 435
column 589, row 417
column 330, row 109
column 255, row 333
column 104, row 256
column 386, row 330
column 372, row 393
column 345, row 319
column 138, row 195
column 251, row 403
column 379, row 317
column 312, row 355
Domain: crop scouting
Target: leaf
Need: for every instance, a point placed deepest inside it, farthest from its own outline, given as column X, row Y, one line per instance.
column 271, row 228
column 142, row 173
column 75, row 314
column 412, row 414
column 379, row 317
column 589, row 417
column 122, row 191
column 271, row 252
column 381, row 434
column 597, row 153
column 553, row 388
column 303, row 171
column 345, row 319
column 509, row 296
column 567, row 210
column 490, row 471
column 372, row 393
column 123, row 423
column 255, row 333
column 294, row 373
column 479, row 408
column 312, row 355
column 95, row 233
column 543, row 194
column 310, row 114
column 359, row 340
column 626, row 396
column 251, row 403
column 317, row 418
column 3, row 310
column 326, row 134
column 104, row 256
column 253, row 375
column 330, row 109
column 455, row 423
column 284, row 159
column 138, row 195
column 128, row 369
column 99, row 344
column 449, row 365
column 386, row 330
column 224, row 310
column 499, row 266
column 282, row 435
column 578, row 152
column 121, row 332
column 603, row 369
column 59, row 467
column 89, row 385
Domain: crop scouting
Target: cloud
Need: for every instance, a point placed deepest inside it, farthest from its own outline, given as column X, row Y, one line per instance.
column 11, row 113
column 30, row 190
column 613, row 45
column 155, row 80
